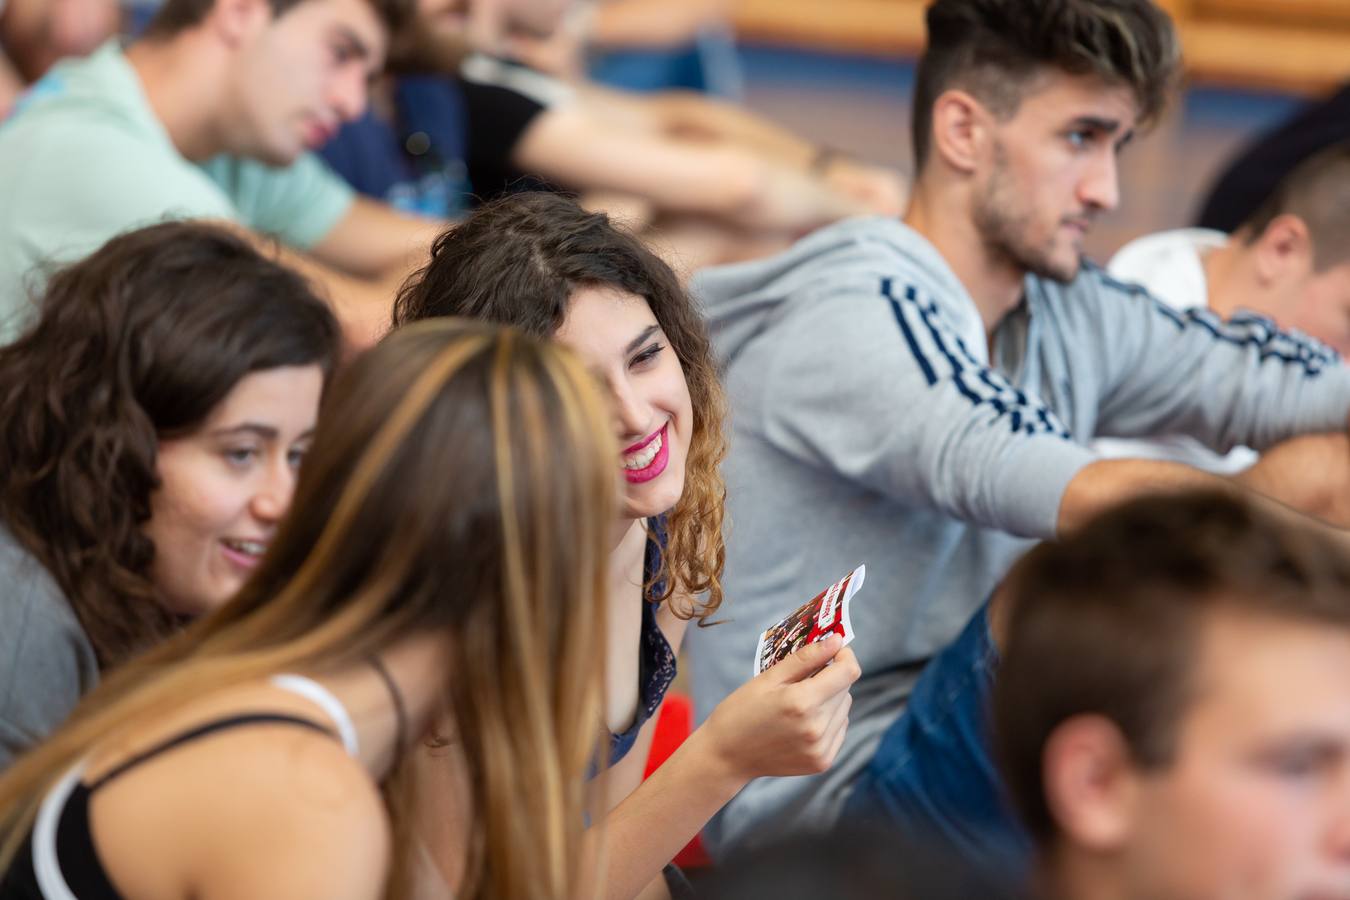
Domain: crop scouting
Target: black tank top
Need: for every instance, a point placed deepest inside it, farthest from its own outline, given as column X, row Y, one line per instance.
column 58, row 859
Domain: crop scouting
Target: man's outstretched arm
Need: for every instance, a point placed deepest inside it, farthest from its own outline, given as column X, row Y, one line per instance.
column 1105, row 483
column 359, row 264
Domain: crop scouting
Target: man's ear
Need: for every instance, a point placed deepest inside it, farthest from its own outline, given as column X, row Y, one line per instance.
column 235, row 21
column 1283, row 251
column 1091, row 785
column 960, row 130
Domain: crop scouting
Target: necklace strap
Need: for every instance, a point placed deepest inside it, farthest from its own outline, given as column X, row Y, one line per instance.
column 400, row 710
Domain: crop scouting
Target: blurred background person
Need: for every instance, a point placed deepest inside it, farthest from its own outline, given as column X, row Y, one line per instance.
column 210, row 114
column 35, row 34
column 1256, row 169
column 706, row 180
column 1289, row 263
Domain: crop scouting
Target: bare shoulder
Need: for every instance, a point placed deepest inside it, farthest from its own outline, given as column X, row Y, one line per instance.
column 260, row 811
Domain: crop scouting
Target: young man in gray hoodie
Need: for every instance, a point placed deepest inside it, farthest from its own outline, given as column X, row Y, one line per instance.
column 920, row 395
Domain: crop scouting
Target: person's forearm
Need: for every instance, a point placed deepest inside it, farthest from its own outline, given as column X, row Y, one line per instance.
column 690, row 115
column 794, row 201
column 1107, row 483
column 364, row 306
column 1310, row 473
column 646, row 830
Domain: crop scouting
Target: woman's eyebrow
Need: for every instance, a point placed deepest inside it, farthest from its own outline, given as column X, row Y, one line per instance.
column 266, row 432
column 641, row 338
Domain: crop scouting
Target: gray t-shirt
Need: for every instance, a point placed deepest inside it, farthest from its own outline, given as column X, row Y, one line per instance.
column 46, row 662
column 870, row 425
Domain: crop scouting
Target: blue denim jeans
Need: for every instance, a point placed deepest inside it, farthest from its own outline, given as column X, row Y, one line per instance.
column 933, row 775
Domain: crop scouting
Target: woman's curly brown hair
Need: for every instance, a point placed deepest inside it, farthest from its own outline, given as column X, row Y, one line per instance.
column 138, row 342
column 518, row 261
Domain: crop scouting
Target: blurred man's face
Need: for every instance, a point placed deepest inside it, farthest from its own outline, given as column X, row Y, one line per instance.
column 302, row 75
column 1256, row 804
column 1320, row 307
column 37, row 33
column 1050, row 171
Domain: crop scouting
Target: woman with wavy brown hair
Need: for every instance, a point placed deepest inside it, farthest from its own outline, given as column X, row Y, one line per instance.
column 444, row 561
column 540, row 263
column 155, row 415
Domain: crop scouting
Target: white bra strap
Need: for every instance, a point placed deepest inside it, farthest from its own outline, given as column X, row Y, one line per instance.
column 46, row 866
column 323, row 698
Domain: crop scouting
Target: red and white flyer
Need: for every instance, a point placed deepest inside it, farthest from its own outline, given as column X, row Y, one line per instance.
column 822, row 615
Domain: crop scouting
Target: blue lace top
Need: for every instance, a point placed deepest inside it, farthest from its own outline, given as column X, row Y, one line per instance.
column 656, row 664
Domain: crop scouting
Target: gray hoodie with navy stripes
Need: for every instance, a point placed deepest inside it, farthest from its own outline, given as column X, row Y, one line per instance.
column 869, row 425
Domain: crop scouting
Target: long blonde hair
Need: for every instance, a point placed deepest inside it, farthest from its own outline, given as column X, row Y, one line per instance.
column 461, row 479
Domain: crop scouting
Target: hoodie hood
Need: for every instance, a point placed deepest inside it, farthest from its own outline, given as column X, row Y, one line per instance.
column 740, row 301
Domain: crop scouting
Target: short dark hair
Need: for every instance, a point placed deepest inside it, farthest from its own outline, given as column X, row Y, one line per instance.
column 995, row 48
column 176, row 15
column 1107, row 622
column 1318, row 192
column 139, row 341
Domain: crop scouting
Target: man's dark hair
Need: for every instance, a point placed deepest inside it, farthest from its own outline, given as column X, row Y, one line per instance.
column 994, row 49
column 176, row 15
column 1318, row 192
column 1108, row 622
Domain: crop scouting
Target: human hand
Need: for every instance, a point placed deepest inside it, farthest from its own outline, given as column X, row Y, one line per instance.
column 1310, row 472
column 797, row 202
column 883, row 191
column 789, row 720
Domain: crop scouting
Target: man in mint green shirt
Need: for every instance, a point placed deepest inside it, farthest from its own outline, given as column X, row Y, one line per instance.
column 210, row 116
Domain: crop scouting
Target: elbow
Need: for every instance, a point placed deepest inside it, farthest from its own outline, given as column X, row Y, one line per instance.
column 741, row 185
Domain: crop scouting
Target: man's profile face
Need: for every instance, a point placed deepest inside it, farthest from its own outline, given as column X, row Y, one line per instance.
column 1321, row 307
column 1256, row 803
column 302, row 75
column 1050, row 170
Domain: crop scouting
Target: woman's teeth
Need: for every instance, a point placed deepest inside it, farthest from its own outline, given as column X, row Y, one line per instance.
column 643, row 458
column 248, row 548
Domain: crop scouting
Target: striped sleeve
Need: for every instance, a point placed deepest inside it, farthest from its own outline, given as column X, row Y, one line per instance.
column 941, row 356
column 878, row 387
column 1239, row 382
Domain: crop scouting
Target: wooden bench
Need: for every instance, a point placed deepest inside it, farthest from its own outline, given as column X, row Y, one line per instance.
column 1293, row 45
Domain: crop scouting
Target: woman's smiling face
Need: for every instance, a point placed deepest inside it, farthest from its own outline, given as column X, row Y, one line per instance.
column 617, row 335
column 225, row 487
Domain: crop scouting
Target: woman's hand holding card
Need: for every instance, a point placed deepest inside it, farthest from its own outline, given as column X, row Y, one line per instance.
column 790, row 719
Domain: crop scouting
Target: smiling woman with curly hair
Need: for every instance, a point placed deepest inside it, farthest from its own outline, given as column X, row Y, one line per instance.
column 542, row 264
column 154, row 417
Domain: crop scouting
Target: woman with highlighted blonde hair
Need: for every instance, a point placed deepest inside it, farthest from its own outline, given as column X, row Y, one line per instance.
column 445, row 562
column 540, row 263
